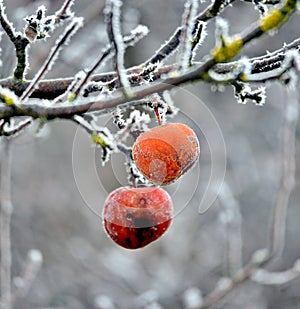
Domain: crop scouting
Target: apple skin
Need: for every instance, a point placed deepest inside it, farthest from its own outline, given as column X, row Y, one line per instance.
column 166, row 152
column 135, row 217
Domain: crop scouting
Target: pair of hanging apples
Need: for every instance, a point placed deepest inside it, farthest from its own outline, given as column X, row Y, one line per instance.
column 134, row 217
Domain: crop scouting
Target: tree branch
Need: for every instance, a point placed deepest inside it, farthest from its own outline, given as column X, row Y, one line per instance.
column 196, row 73
column 226, row 285
column 262, row 68
column 5, row 219
column 73, row 28
column 287, row 179
column 278, row 224
column 213, row 10
column 20, row 42
column 231, row 218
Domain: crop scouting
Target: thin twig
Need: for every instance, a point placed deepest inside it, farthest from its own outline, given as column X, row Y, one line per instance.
column 198, row 37
column 113, row 16
column 6, row 25
column 232, row 221
column 227, row 285
column 62, row 13
column 185, row 53
column 174, row 41
column 53, row 88
column 84, row 124
column 73, row 27
column 287, row 179
column 32, row 266
column 259, row 66
column 196, row 73
column 5, row 217
column 137, row 34
column 17, row 128
column 278, row 224
column 20, row 42
column 40, row 110
column 265, row 277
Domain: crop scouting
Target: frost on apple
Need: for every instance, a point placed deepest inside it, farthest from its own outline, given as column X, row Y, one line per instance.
column 166, row 152
column 135, row 217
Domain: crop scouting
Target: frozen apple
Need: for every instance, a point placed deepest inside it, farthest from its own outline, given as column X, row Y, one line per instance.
column 135, row 217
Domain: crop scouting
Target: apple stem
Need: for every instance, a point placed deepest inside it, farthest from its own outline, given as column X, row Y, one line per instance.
column 157, row 115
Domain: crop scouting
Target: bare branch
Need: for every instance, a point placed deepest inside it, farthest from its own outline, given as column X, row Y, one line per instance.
column 230, row 216
column 20, row 42
column 264, row 256
column 262, row 68
column 16, row 128
column 220, row 53
column 32, row 266
column 185, row 53
column 287, row 179
column 226, row 285
column 137, row 34
column 265, row 277
column 5, row 219
column 6, row 25
column 174, row 41
column 64, row 12
column 71, row 30
column 113, row 16
column 40, row 110
column 198, row 37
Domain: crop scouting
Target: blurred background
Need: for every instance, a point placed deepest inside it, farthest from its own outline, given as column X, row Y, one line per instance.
column 58, row 179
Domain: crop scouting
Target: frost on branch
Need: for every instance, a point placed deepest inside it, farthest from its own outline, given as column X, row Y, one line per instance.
column 39, row 25
column 1, row 32
column 118, row 118
column 70, row 93
column 100, row 136
column 291, row 65
column 221, row 33
column 243, row 92
column 133, row 125
column 172, row 110
column 91, row 86
column 242, row 68
column 136, row 35
column 134, row 175
column 199, row 36
column 63, row 39
column 260, row 6
column 104, row 139
column 277, row 65
column 260, row 255
column 136, row 123
column 113, row 16
column 185, row 51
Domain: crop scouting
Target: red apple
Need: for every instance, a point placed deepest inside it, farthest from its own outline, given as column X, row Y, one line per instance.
column 135, row 217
